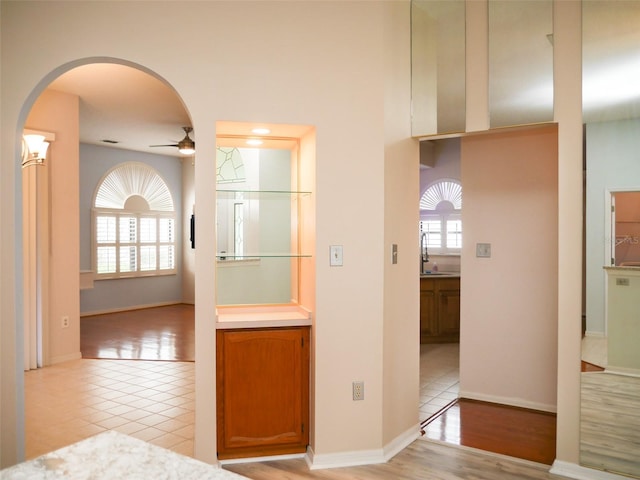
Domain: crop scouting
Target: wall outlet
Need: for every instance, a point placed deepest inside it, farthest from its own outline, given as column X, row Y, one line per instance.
column 358, row 390
column 65, row 321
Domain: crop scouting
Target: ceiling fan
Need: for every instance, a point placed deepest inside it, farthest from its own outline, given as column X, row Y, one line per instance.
column 186, row 146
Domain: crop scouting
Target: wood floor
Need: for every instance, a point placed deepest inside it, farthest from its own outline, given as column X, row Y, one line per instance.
column 512, row 431
column 610, row 423
column 422, row 460
column 167, row 333
column 160, row 333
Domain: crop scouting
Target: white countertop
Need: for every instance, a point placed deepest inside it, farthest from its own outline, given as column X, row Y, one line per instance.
column 264, row 316
column 113, row 455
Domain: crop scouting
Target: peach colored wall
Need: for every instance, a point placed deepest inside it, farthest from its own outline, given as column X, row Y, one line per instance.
column 401, row 348
column 59, row 113
column 306, row 76
column 508, row 338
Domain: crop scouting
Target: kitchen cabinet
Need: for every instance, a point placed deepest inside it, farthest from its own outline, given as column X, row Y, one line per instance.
column 439, row 309
column 262, row 391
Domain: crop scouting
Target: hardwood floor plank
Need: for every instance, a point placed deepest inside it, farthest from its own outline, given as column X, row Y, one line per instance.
column 159, row 333
column 517, row 432
column 610, row 423
column 422, row 460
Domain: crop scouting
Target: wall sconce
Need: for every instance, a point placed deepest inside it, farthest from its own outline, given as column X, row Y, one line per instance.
column 34, row 150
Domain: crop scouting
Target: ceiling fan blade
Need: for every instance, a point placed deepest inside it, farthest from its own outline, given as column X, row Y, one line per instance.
column 170, row 145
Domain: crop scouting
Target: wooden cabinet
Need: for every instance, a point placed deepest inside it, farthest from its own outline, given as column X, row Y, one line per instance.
column 439, row 309
column 262, row 391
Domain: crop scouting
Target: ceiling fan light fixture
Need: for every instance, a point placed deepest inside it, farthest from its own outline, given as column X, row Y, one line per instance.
column 186, row 146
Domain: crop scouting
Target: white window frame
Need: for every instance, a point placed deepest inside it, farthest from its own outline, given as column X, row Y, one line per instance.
column 111, row 199
column 443, row 196
column 137, row 244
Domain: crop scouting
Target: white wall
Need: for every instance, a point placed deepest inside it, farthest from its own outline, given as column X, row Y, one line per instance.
column 508, row 325
column 323, row 64
column 612, row 164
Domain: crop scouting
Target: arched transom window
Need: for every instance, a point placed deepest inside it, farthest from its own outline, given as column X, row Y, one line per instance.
column 133, row 221
column 440, row 217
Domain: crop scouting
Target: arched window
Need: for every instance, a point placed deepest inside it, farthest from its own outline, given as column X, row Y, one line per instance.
column 133, row 221
column 440, row 217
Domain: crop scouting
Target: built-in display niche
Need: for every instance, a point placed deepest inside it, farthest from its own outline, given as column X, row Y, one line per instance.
column 258, row 222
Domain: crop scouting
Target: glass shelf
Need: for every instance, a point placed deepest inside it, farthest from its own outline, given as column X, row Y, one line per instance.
column 283, row 192
column 261, row 255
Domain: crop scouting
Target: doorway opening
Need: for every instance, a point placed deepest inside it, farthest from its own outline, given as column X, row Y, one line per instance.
column 97, row 127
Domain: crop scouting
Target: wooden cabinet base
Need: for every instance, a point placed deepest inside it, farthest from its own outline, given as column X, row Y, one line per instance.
column 262, row 391
column 439, row 310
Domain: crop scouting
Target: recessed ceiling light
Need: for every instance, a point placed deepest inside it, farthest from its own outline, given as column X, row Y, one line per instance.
column 261, row 131
column 254, row 141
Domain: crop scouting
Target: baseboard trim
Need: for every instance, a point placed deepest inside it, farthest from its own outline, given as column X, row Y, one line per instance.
column 66, row 358
column 513, row 402
column 362, row 457
column 572, row 470
column 127, row 309
column 269, row 458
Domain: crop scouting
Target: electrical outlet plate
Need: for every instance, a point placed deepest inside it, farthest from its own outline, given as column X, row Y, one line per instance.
column 358, row 390
column 65, row 322
column 483, row 250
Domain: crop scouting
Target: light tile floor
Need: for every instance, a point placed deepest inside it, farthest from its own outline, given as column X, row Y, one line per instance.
column 71, row 401
column 439, row 376
column 154, row 400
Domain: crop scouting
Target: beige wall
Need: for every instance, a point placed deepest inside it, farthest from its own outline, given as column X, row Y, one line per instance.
column 210, row 53
column 508, row 331
column 59, row 113
column 400, row 335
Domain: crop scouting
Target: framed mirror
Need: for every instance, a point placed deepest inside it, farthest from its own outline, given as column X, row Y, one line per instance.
column 437, row 66
column 520, row 62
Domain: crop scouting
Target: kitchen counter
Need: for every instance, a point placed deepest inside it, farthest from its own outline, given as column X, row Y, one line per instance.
column 440, row 274
column 113, row 455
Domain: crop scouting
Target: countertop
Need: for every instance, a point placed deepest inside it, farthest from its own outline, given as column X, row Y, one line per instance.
column 264, row 316
column 440, row 275
column 112, row 455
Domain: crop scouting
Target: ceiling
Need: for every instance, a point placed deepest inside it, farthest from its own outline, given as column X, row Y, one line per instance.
column 125, row 105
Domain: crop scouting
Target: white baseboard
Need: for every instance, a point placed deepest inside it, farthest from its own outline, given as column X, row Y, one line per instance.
column 126, row 309
column 362, row 457
column 66, row 358
column 513, row 402
column 629, row 372
column 572, row 470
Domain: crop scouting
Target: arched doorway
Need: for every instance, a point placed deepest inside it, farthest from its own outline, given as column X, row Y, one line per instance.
column 63, row 253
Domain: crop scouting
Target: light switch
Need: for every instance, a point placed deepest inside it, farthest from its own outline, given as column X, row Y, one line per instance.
column 483, row 250
column 394, row 253
column 335, row 255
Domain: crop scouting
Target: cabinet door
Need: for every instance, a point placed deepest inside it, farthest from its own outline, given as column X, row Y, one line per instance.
column 449, row 312
column 428, row 315
column 263, row 391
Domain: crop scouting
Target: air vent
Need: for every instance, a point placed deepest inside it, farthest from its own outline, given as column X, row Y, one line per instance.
column 113, row 142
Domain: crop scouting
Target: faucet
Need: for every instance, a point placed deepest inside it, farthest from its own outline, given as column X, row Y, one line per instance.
column 424, row 255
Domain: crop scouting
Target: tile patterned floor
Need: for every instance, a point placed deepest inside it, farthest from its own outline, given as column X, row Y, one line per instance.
column 439, row 377
column 149, row 400
column 154, row 400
